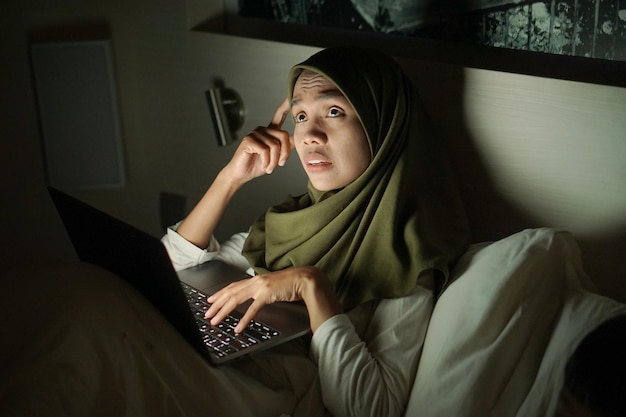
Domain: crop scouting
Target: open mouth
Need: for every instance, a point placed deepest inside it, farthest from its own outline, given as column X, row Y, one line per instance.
column 317, row 162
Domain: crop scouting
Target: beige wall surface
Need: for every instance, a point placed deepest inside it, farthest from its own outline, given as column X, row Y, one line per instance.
column 163, row 70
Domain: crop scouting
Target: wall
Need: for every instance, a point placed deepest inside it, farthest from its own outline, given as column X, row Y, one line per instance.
column 163, row 70
column 532, row 152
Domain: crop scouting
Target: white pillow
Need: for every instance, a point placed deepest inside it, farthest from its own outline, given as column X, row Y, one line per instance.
column 489, row 349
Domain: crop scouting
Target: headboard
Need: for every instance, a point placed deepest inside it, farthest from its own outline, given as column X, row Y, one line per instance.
column 530, row 151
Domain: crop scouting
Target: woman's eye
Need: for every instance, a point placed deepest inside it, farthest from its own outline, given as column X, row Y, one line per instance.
column 335, row 112
column 300, row 117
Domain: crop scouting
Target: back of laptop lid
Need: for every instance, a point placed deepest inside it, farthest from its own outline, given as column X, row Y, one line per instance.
column 135, row 256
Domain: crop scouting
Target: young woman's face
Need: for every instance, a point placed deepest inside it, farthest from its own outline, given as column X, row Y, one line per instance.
column 328, row 135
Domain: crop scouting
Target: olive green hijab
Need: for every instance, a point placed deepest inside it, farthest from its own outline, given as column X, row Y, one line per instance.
column 401, row 217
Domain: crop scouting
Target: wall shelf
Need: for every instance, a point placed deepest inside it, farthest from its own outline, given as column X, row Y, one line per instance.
column 568, row 67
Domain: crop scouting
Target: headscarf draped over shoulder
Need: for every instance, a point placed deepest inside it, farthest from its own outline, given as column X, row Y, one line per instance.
column 401, row 217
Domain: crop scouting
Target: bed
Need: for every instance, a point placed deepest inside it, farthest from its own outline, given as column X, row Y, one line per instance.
column 546, row 207
column 497, row 342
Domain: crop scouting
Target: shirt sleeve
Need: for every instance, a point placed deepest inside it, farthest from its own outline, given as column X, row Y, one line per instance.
column 372, row 374
column 185, row 254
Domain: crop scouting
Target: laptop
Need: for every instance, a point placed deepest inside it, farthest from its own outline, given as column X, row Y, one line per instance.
column 141, row 260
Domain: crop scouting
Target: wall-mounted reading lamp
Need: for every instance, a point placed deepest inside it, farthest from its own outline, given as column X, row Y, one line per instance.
column 227, row 112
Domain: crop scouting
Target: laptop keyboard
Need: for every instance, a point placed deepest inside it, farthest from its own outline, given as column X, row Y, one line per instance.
column 222, row 339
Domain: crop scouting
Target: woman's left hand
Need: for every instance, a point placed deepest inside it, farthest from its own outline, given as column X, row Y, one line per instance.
column 308, row 284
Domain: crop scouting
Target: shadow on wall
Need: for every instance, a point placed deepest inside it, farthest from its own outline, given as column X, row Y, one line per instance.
column 442, row 88
column 492, row 215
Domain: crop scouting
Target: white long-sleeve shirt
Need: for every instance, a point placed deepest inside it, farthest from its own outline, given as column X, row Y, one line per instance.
column 367, row 357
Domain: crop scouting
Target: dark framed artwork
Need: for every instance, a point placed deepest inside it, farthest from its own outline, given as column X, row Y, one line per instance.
column 582, row 40
column 587, row 28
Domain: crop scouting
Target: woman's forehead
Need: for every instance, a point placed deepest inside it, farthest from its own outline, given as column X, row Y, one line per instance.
column 309, row 80
column 315, row 85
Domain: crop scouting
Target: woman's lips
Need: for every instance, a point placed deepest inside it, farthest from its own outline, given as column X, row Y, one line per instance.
column 316, row 161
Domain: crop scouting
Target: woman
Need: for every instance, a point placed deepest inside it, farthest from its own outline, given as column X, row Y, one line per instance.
column 366, row 246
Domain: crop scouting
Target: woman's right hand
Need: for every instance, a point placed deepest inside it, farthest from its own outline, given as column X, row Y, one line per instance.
column 259, row 153
column 262, row 150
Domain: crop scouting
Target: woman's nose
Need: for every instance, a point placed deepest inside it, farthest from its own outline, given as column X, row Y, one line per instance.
column 314, row 134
